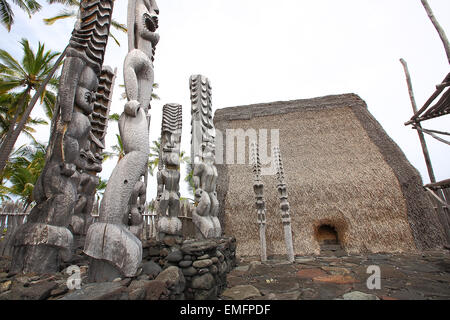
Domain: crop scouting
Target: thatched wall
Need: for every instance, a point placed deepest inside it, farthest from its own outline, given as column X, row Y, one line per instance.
column 341, row 169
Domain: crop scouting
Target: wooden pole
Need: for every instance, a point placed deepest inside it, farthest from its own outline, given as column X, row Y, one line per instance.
column 426, row 155
column 438, row 28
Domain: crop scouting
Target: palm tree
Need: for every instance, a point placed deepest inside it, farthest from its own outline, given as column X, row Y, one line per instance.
column 153, row 155
column 23, row 171
column 117, row 150
column 7, row 15
column 8, row 103
column 190, row 177
column 33, row 73
column 72, row 12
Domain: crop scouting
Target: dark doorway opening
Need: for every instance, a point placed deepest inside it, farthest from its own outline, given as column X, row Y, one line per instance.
column 327, row 234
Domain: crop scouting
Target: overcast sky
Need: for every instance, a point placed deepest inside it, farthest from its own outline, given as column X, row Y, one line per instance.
column 256, row 51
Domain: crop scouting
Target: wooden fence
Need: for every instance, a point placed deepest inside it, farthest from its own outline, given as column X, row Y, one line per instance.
column 13, row 214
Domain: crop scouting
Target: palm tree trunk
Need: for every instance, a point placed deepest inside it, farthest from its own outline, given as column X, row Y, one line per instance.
column 10, row 139
column 12, row 125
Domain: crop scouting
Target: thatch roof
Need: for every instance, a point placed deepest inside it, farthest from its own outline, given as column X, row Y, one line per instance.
column 341, row 169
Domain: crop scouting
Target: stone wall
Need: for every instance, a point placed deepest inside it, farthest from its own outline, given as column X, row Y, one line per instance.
column 203, row 264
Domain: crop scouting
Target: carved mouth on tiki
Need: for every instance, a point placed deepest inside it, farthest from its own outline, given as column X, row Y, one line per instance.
column 150, row 22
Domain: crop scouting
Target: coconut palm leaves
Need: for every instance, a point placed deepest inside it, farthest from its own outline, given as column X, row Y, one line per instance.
column 23, row 171
column 72, row 12
column 117, row 150
column 8, row 103
column 23, row 78
column 7, row 15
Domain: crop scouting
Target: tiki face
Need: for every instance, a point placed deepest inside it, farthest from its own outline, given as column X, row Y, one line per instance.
column 170, row 143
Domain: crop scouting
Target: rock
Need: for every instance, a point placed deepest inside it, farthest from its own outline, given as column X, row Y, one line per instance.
column 215, row 260
column 210, row 294
column 295, row 295
column 59, row 291
column 241, row 268
column 202, row 263
column 169, row 241
column 205, row 256
column 5, row 286
column 40, row 291
column 187, row 257
column 117, row 280
column 338, row 279
column 387, row 298
column 175, row 256
column 185, row 263
column 196, row 246
column 304, row 260
column 253, row 265
column 174, row 279
column 153, row 251
column 241, row 292
column 336, row 270
column 358, row 295
column 213, row 269
column 164, row 252
column 205, row 281
column 220, row 256
column 137, row 294
column 138, row 284
column 190, row 271
column 203, row 271
column 310, row 273
column 156, row 290
column 3, row 275
column 98, row 291
column 151, row 269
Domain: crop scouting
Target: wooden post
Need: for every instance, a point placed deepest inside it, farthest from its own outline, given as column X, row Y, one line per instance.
column 438, row 28
column 284, row 204
column 426, row 155
column 258, row 188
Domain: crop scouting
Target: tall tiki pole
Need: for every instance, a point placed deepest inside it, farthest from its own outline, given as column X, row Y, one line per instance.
column 41, row 243
column 204, row 172
column 258, row 188
column 113, row 243
column 284, row 204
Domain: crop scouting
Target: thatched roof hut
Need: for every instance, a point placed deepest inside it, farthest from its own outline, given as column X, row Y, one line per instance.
column 342, row 171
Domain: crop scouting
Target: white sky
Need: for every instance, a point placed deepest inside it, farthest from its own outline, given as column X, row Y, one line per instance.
column 256, row 51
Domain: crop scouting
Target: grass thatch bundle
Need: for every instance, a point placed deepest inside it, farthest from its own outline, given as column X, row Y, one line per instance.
column 341, row 170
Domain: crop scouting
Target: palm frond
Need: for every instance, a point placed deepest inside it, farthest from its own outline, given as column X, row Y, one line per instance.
column 6, row 14
column 64, row 14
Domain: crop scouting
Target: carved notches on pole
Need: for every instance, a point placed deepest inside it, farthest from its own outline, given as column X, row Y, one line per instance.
column 90, row 39
column 172, row 118
column 202, row 157
column 168, row 176
column 281, row 186
column 258, row 186
column 202, row 127
column 284, row 204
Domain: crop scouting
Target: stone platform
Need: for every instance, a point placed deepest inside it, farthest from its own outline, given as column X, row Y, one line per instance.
column 424, row 276
column 171, row 269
